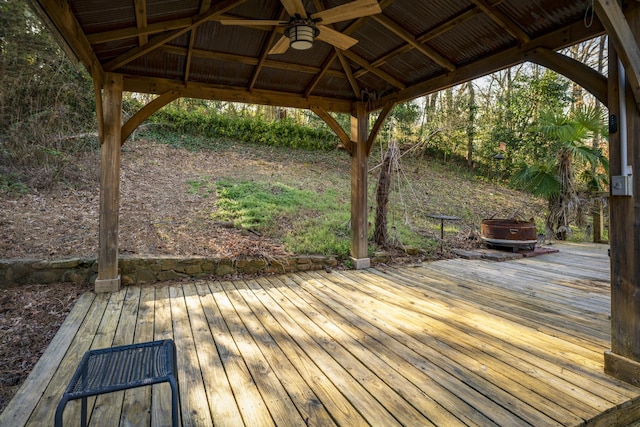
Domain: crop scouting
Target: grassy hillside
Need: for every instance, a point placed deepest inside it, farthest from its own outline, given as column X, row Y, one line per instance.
column 226, row 198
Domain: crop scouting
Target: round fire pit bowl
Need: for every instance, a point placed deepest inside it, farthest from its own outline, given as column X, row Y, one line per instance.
column 509, row 233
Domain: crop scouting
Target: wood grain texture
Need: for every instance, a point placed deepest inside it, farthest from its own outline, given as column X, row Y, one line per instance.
column 453, row 342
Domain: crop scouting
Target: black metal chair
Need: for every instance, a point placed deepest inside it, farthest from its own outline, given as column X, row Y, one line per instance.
column 121, row 368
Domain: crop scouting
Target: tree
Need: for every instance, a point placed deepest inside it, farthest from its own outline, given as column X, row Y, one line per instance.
column 471, row 122
column 44, row 102
column 555, row 178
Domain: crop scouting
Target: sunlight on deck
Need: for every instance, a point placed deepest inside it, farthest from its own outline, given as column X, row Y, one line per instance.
column 447, row 343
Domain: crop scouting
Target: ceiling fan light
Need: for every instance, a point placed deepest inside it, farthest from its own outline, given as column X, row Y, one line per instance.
column 301, row 36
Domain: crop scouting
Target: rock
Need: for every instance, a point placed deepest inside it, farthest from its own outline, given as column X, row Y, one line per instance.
column 66, row 264
column 224, row 269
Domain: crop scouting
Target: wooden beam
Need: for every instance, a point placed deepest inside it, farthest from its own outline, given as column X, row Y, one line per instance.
column 141, row 20
column 409, row 38
column 327, row 61
column 429, row 35
column 359, row 171
column 233, row 94
column 555, row 40
column 623, row 361
column 108, row 279
column 204, row 6
column 126, row 33
column 334, row 125
column 503, row 20
column 58, row 13
column 144, row 113
column 323, row 70
column 249, row 60
column 347, row 70
column 187, row 66
column 377, row 126
column 624, row 41
column 585, row 76
column 378, row 72
column 162, row 39
column 265, row 51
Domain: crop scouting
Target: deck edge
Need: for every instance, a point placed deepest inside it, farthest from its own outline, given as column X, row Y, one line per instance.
column 23, row 403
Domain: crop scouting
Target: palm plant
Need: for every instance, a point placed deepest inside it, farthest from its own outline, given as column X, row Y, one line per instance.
column 555, row 178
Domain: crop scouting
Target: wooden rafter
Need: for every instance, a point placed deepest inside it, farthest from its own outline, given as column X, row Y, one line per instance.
column 125, row 33
column 431, row 34
column 347, row 70
column 334, row 125
column 323, row 71
column 503, row 21
column 580, row 73
column 328, row 60
column 204, row 6
column 265, row 51
column 621, row 35
column 558, row 39
column 233, row 94
column 141, row 20
column 353, row 27
column 187, row 63
column 60, row 16
column 162, row 39
column 249, row 60
column 395, row 28
column 378, row 72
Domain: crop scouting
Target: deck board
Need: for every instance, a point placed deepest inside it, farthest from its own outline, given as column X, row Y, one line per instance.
column 449, row 343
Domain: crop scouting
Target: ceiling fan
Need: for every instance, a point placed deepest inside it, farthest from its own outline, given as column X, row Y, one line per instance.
column 303, row 28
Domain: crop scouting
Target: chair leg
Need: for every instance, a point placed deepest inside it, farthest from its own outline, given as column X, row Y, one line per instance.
column 60, row 411
column 83, row 413
column 175, row 404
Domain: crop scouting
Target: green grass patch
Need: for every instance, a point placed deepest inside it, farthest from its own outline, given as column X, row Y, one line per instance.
column 202, row 187
column 317, row 223
column 326, row 234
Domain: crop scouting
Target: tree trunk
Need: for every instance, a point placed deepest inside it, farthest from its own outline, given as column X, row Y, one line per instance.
column 380, row 234
column 471, row 125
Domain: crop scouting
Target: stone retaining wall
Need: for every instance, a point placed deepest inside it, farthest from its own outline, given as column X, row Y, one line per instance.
column 144, row 270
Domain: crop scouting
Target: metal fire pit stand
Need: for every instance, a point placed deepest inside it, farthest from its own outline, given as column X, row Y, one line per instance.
column 442, row 219
column 121, row 368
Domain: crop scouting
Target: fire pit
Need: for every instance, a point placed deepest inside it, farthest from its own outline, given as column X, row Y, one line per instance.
column 509, row 233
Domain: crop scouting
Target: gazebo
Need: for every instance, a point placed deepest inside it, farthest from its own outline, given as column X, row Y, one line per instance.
column 356, row 57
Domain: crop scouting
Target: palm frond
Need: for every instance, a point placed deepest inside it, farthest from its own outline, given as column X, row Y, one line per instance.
column 540, row 179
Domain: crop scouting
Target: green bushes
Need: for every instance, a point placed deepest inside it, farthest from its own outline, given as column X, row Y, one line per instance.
column 255, row 129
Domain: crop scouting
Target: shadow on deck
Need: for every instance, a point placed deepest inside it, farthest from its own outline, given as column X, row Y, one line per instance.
column 453, row 342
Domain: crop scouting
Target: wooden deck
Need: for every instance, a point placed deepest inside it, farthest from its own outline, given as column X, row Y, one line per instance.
column 448, row 343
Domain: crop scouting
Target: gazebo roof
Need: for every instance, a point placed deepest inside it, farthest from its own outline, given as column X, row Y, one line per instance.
column 410, row 49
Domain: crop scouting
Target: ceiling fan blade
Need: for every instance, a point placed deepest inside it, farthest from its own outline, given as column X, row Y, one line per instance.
column 339, row 40
column 280, row 47
column 294, row 7
column 252, row 22
column 352, row 10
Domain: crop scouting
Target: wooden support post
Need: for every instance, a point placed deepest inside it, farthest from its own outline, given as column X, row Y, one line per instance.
column 598, row 223
column 623, row 361
column 359, row 211
column 108, row 278
column 598, row 217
